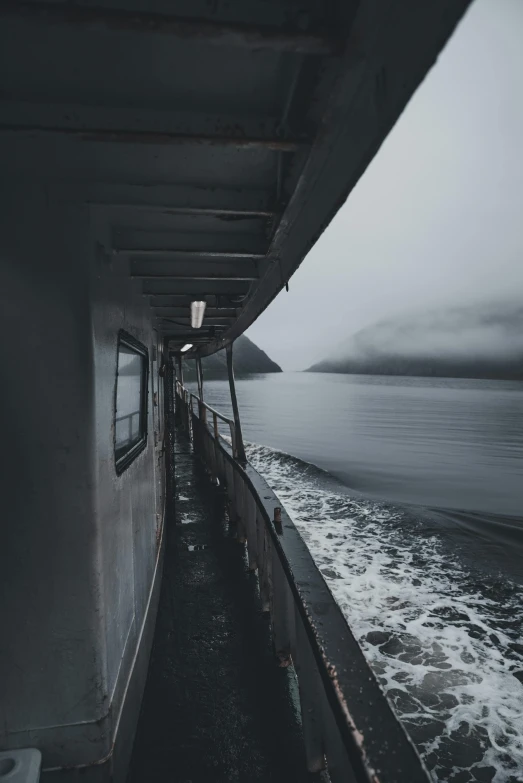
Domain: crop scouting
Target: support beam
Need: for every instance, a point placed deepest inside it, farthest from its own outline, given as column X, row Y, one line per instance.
column 176, row 252
column 115, row 20
column 197, row 288
column 177, row 343
column 219, row 303
column 185, row 338
column 81, row 117
column 177, row 319
column 166, row 209
column 195, row 275
column 194, row 270
column 240, row 448
column 155, row 138
column 192, row 334
column 170, row 199
column 199, row 377
column 179, row 369
column 171, row 412
column 198, row 240
column 212, row 314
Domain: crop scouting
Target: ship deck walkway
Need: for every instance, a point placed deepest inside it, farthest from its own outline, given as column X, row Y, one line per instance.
column 217, row 707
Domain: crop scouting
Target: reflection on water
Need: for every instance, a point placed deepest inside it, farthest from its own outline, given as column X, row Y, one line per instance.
column 448, row 443
column 434, row 597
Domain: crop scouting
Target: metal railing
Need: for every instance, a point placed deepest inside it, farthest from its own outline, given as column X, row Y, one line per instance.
column 349, row 728
column 186, row 400
column 203, row 408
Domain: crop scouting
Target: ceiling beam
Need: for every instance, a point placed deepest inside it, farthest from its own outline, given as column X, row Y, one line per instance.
column 219, row 212
column 195, row 276
column 145, row 126
column 192, row 337
column 177, row 252
column 200, row 333
column 355, row 121
column 155, row 138
column 200, row 242
column 242, row 270
column 188, row 329
column 187, row 321
column 197, row 288
column 183, row 301
column 115, row 20
column 171, row 199
column 215, row 313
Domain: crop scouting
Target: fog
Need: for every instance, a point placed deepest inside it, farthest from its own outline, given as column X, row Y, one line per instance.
column 435, row 222
column 492, row 332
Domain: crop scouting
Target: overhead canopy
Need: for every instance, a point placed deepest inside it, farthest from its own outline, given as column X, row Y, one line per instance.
column 218, row 138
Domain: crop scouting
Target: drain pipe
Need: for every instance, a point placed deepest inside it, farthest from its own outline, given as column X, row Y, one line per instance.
column 240, row 448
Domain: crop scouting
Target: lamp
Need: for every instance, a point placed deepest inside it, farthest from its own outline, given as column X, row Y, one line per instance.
column 197, row 311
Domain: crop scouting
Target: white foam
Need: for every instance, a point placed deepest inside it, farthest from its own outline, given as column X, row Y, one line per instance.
column 443, row 643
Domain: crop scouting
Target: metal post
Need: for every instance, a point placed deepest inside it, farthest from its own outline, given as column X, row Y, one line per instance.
column 240, row 448
column 199, row 377
column 179, row 369
column 168, row 380
column 202, row 412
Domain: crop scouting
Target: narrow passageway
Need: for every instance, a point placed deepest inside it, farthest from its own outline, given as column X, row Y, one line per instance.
column 216, row 705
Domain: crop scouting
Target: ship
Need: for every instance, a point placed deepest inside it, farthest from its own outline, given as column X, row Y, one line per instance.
column 166, row 167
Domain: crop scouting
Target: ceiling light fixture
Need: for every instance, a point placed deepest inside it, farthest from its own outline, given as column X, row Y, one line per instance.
column 186, row 347
column 197, row 311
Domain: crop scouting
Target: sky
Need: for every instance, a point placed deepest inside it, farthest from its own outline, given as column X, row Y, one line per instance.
column 437, row 218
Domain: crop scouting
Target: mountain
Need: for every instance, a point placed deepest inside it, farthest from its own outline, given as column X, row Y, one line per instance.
column 247, row 360
column 461, row 342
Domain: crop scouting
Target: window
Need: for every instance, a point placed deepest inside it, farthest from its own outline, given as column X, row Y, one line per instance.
column 130, row 426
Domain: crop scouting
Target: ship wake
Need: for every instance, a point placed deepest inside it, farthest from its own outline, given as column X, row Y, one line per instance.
column 445, row 643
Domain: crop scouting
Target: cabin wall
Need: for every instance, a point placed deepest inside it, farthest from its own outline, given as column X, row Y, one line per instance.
column 51, row 659
column 79, row 545
column 128, row 506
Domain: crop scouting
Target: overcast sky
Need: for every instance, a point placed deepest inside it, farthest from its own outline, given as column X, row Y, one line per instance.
column 437, row 218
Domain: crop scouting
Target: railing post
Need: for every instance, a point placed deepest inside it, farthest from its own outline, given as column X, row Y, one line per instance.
column 179, row 369
column 180, row 407
column 202, row 412
column 188, row 409
column 199, row 377
column 168, row 397
column 239, row 447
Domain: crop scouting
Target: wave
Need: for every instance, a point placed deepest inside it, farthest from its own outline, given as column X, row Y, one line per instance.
column 444, row 640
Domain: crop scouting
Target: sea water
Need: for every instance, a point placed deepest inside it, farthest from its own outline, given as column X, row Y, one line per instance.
column 408, row 493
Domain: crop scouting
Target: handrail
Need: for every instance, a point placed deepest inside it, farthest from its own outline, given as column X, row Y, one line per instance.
column 349, row 727
column 208, row 407
column 215, row 416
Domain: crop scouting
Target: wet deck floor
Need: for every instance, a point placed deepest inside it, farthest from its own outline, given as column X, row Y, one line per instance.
column 216, row 705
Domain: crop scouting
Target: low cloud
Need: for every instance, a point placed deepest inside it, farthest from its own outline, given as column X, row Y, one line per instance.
column 493, row 332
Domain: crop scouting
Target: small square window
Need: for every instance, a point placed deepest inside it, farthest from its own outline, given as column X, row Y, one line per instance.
column 130, row 424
